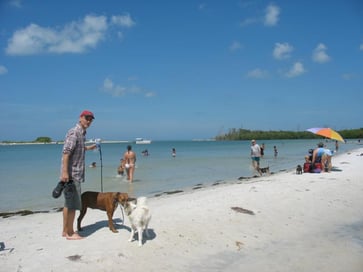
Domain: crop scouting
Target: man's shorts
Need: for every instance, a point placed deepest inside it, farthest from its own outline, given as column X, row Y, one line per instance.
column 72, row 195
column 257, row 159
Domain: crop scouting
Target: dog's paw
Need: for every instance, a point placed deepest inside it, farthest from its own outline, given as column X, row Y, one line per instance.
column 140, row 243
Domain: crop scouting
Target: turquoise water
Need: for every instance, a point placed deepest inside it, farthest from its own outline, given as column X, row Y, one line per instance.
column 30, row 172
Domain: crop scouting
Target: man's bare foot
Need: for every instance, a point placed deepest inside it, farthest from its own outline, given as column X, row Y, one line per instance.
column 74, row 236
column 64, row 234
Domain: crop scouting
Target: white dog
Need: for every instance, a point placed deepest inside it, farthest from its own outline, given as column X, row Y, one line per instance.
column 139, row 216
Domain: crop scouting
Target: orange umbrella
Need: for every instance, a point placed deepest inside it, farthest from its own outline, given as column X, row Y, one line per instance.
column 327, row 132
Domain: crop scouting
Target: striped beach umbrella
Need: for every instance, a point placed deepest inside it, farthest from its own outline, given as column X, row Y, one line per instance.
column 327, row 132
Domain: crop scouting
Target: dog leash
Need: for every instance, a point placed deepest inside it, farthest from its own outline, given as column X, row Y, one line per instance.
column 123, row 216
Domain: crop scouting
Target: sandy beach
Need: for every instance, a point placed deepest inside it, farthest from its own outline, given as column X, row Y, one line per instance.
column 309, row 222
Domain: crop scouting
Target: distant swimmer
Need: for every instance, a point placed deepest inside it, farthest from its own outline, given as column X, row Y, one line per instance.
column 275, row 151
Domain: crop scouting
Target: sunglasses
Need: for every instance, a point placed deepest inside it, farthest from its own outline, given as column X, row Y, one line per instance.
column 89, row 118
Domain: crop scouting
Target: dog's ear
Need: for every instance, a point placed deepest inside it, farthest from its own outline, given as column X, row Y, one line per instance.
column 125, row 196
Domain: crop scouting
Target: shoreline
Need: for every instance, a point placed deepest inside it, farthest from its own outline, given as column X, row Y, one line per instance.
column 25, row 212
column 155, row 175
column 181, row 190
column 240, row 180
column 282, row 222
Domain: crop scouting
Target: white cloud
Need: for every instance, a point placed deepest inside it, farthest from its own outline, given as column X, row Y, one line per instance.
column 272, row 15
column 108, row 84
column 282, row 51
column 257, row 73
column 270, row 18
column 296, row 70
column 75, row 37
column 118, row 91
column 123, row 20
column 110, row 88
column 320, row 55
column 235, row 46
column 3, row 70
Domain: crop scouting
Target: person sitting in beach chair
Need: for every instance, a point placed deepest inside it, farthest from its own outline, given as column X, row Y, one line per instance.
column 307, row 167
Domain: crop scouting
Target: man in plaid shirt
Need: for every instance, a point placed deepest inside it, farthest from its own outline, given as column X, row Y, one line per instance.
column 73, row 171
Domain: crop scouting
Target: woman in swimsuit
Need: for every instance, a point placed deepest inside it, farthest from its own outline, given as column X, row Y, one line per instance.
column 130, row 159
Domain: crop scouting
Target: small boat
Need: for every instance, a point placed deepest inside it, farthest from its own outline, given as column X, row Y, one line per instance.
column 142, row 141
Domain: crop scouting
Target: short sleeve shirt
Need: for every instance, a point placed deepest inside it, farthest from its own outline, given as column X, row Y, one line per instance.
column 74, row 145
column 255, row 150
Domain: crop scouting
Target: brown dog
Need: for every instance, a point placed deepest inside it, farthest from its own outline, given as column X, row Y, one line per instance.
column 103, row 201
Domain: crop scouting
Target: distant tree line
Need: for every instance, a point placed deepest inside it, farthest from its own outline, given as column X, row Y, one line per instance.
column 42, row 139
column 245, row 134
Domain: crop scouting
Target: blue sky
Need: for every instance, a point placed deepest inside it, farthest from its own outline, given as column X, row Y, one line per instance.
column 179, row 69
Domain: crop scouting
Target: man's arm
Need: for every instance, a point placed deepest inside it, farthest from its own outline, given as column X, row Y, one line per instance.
column 65, row 161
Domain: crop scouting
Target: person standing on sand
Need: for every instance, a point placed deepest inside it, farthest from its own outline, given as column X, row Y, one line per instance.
column 130, row 161
column 73, row 171
column 255, row 154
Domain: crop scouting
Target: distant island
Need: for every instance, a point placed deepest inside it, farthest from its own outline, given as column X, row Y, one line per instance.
column 245, row 134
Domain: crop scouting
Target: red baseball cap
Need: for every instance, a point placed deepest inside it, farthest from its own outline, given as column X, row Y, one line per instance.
column 87, row 113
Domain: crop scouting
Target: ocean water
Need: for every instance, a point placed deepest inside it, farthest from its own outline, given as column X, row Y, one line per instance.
column 28, row 173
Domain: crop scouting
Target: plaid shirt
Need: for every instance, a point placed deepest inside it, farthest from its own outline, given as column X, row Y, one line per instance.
column 74, row 145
